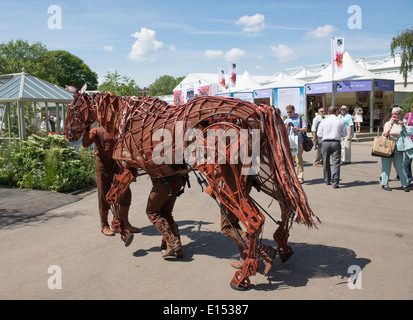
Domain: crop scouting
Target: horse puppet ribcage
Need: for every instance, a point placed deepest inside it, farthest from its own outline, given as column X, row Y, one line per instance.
column 233, row 144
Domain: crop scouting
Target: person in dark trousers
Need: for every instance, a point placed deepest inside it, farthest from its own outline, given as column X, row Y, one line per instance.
column 331, row 130
column 105, row 169
column 161, row 202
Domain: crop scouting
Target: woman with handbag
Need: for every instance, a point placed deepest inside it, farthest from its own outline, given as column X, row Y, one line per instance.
column 397, row 131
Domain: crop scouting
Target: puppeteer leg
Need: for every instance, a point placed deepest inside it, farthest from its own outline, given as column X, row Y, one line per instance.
column 159, row 211
column 104, row 222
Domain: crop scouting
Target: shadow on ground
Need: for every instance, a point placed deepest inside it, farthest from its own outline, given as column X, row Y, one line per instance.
column 308, row 262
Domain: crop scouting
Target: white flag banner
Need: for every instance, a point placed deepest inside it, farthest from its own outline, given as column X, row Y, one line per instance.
column 221, row 78
column 338, row 53
column 232, row 74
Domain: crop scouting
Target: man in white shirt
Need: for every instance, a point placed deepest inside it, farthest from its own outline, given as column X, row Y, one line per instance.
column 331, row 130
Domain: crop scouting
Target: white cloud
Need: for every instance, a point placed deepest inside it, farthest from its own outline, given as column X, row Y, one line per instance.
column 321, row 32
column 211, row 54
column 146, row 47
column 172, row 48
column 108, row 48
column 234, row 54
column 283, row 53
column 253, row 23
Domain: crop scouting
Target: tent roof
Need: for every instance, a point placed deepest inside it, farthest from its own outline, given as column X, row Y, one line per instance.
column 351, row 71
column 25, row 87
column 285, row 81
column 246, row 82
column 305, row 74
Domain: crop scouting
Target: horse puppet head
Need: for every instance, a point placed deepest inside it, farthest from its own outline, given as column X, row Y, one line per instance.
column 81, row 114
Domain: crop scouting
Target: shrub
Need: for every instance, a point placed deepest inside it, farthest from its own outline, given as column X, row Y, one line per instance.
column 46, row 163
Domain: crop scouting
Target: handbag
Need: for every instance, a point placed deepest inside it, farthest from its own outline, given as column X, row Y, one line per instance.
column 307, row 143
column 293, row 139
column 383, row 147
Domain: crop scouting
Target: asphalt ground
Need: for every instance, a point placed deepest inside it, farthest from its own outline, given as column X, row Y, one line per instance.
column 51, row 247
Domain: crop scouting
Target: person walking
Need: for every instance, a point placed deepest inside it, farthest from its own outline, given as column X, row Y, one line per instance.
column 331, row 130
column 105, row 169
column 408, row 121
column 346, row 141
column 376, row 117
column 161, row 202
column 358, row 117
column 298, row 125
column 318, row 160
column 395, row 129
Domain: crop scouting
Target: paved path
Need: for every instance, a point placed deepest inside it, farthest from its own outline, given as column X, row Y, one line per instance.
column 362, row 226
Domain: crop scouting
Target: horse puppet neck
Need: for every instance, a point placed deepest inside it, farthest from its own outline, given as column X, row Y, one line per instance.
column 110, row 110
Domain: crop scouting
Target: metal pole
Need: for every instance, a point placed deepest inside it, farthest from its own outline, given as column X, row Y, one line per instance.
column 57, row 118
column 371, row 106
column 333, row 96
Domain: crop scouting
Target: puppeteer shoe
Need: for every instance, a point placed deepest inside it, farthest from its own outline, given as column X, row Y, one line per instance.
column 172, row 251
column 106, row 231
column 104, row 225
column 237, row 264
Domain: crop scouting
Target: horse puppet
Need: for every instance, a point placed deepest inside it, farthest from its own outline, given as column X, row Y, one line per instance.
column 231, row 143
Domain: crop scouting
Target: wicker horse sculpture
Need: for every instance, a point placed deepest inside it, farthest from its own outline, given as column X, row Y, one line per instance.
column 249, row 145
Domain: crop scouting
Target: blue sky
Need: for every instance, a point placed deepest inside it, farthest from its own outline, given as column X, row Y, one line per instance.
column 147, row 39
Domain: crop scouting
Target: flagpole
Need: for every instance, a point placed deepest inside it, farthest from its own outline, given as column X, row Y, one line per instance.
column 219, row 79
column 333, row 96
column 229, row 78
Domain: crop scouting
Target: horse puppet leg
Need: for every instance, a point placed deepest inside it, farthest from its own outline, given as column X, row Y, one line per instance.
column 280, row 236
column 231, row 190
column 120, row 184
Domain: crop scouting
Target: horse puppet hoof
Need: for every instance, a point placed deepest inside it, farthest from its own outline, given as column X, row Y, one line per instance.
column 238, row 284
column 238, row 287
column 128, row 240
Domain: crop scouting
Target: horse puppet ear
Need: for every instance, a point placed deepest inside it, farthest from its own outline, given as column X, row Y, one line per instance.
column 71, row 89
column 83, row 90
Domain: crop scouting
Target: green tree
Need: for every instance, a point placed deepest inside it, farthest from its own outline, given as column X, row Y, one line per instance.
column 164, row 85
column 119, row 85
column 58, row 67
column 71, row 70
column 407, row 103
column 404, row 40
column 35, row 59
